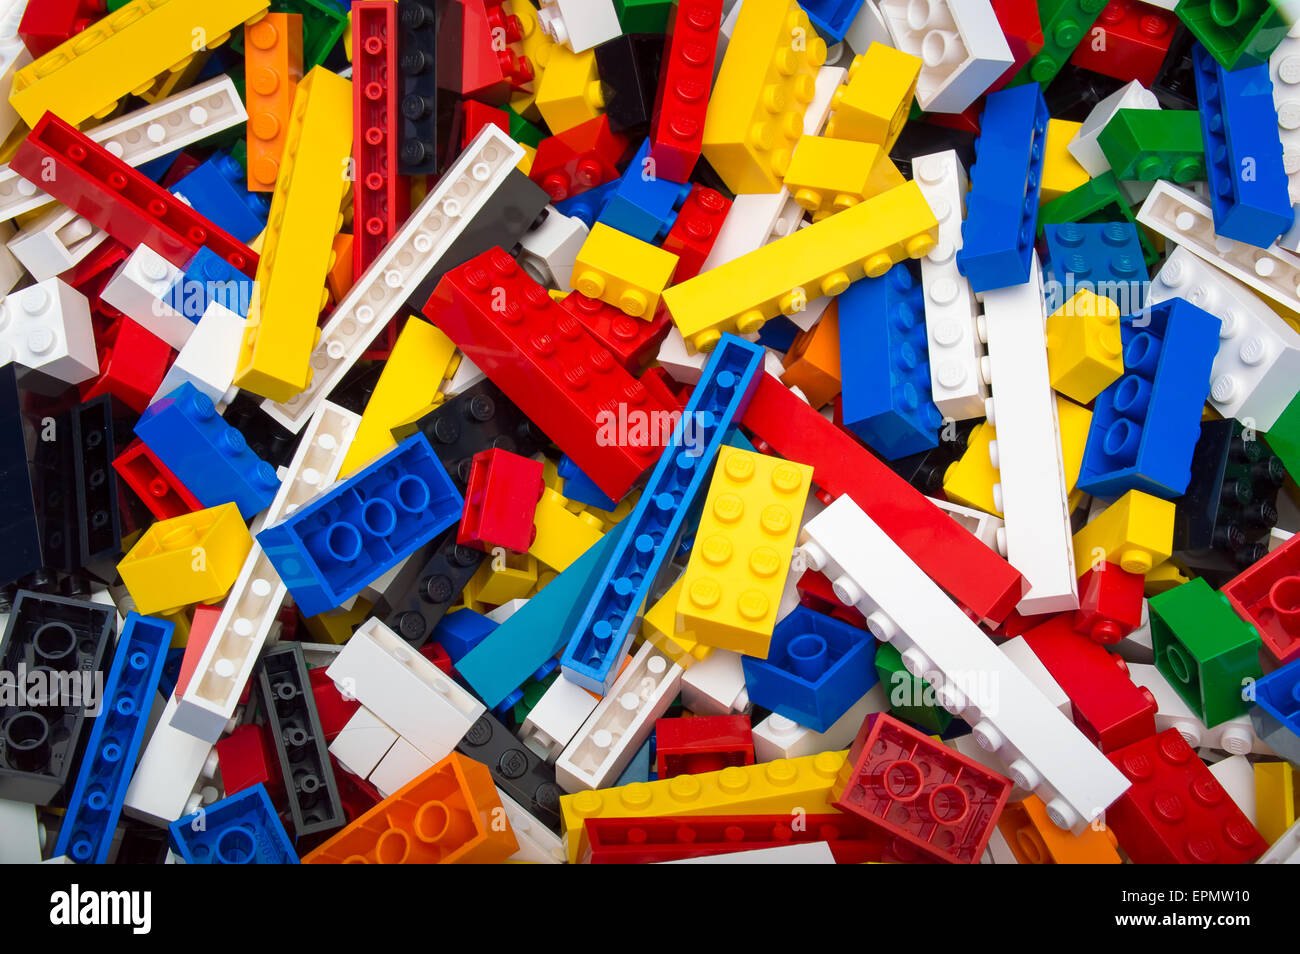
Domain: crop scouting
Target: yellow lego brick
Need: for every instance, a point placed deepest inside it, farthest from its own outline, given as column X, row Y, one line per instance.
column 874, row 104
column 828, row 175
column 503, row 577
column 124, row 52
column 193, row 558
column 407, row 389
column 741, row 556
column 1036, row 840
column 1084, row 353
column 764, row 86
column 1061, row 171
column 569, row 94
column 525, row 165
column 336, row 626
column 626, row 272
column 768, row 788
column 537, row 49
column 180, row 620
column 1275, row 799
column 1164, row 577
column 274, row 357
column 562, row 536
column 659, row 627
column 1136, row 531
column 823, row 259
column 1073, row 422
column 175, row 80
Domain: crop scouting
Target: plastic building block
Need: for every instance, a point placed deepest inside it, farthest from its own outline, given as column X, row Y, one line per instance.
column 1284, row 75
column 579, row 25
column 827, row 175
column 548, row 250
column 578, row 487
column 629, row 74
column 1065, row 23
column 1061, row 171
column 515, row 769
column 491, row 60
column 47, row 328
column 1146, row 145
column 154, row 484
column 501, row 496
column 238, row 830
column 1276, row 695
column 192, row 558
column 428, row 61
column 1239, row 36
column 1086, row 146
column 1103, row 258
column 873, row 105
column 703, row 744
column 1083, row 346
column 1204, row 649
column 569, row 93
column 18, row 519
column 209, row 278
column 1261, row 595
column 643, row 204
column 1110, row 603
column 556, row 718
column 733, row 839
column 812, row 363
column 1136, row 532
column 461, row 631
column 215, row 189
column 273, row 66
column 1249, row 190
column 758, row 101
column 380, row 196
column 1130, row 40
column 1002, row 208
column 696, row 230
column 1034, row 840
column 644, row 16
column 685, row 78
column 1275, row 800
column 45, row 25
column 1176, row 812
column 247, row 758
column 143, row 289
column 131, row 364
column 578, row 162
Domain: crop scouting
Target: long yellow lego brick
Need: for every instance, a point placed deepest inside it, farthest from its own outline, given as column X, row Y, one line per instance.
column 822, row 259
column 123, row 53
column 297, row 251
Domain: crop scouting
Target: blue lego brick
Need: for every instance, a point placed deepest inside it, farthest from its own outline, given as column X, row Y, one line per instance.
column 832, row 18
column 650, row 534
column 778, row 333
column 578, row 486
column 206, row 454
column 461, row 631
column 1104, row 258
column 1243, row 151
column 159, row 167
column 171, row 672
column 516, row 649
column 216, row 190
column 1002, row 207
column 887, row 400
column 736, row 438
column 207, row 278
column 816, row 668
column 91, row 817
column 329, row 549
column 640, row 769
column 643, row 205
column 242, row 829
column 586, row 206
column 1278, row 694
column 1145, row 426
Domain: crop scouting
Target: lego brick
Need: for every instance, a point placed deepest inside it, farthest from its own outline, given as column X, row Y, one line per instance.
column 1235, row 736
column 1261, row 595
column 1085, row 146
column 1065, row 23
column 215, row 189
column 731, row 839
column 422, row 593
column 153, row 483
column 54, row 242
column 569, row 93
column 428, row 62
column 578, row 167
column 685, row 77
column 46, row 328
column 1145, row 145
column 693, row 746
column 141, row 288
column 1110, row 603
column 1275, row 800
column 1061, row 171
column 556, row 718
column 962, row 47
column 696, row 230
column 240, row 829
column 363, row 742
column 1283, row 73
column 174, row 776
column 247, row 758
column 192, row 558
column 1103, row 258
column 1135, row 532
column 1238, row 37
column 1034, row 839
column 515, row 769
column 622, row 270
column 629, row 74
column 579, row 25
column 207, row 360
column 827, row 175
column 547, row 252
column 643, row 204
column 1083, row 346
column 812, row 363
column 273, row 67
column 380, row 196
column 873, row 105
column 778, row 737
column 500, row 498
column 1275, row 696
column 1130, row 40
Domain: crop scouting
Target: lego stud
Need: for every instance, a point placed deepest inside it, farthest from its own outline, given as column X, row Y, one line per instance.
column 881, row 626
column 813, row 555
column 27, row 741
column 899, row 781
column 941, row 47
column 1062, row 815
column 809, row 656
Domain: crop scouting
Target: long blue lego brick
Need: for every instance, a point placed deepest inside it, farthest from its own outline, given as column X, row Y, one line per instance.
column 651, row 532
column 241, row 829
column 1145, row 426
column 887, row 400
column 524, row 643
column 1002, row 207
column 329, row 549
column 643, row 205
column 1243, row 151
column 91, row 816
column 1104, row 258
column 206, row 454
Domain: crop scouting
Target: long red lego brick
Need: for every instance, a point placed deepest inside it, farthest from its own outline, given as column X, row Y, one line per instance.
column 380, row 197
column 947, row 552
column 685, row 78
column 612, row 841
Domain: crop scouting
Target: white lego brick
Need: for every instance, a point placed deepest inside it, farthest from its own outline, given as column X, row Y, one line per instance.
column 1024, row 659
column 507, row 609
column 998, row 851
column 973, row 680
column 208, row 359
column 597, row 755
column 46, row 327
column 1084, row 146
column 381, row 291
column 1278, row 537
column 401, row 765
column 809, row 853
column 716, row 685
column 143, row 135
column 411, row 695
column 556, row 718
column 548, row 252
column 139, row 290
column 1236, row 736
column 985, row 527
column 11, row 271
column 827, row 82
column 579, row 24
column 317, row 655
column 252, row 603
column 1286, row 850
column 1258, row 363
column 753, row 221
column 777, row 737
column 1186, row 221
column 173, row 766
column 1030, row 493
column 467, row 375
column 867, row 27
column 1284, row 71
column 54, row 242
column 957, row 376
column 960, row 43
column 362, row 743
column 13, row 57
column 677, row 359
column 538, row 845
column 1237, row 776
column 20, row 835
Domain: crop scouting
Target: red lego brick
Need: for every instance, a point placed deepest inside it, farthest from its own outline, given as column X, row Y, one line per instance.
column 91, row 274
column 334, row 710
column 578, row 159
column 493, row 65
column 247, row 758
column 685, row 79
column 967, row 121
column 1108, row 708
column 546, row 363
column 202, row 625
column 47, row 23
column 975, row 576
column 1129, row 41
column 936, row 804
column 357, row 795
column 816, row 593
column 632, row 341
column 500, row 499
column 1175, row 811
column 132, row 363
column 437, row 654
column 122, row 201
column 380, row 197
column 692, row 746
column 636, row 841
column 1024, row 32
column 665, row 390
column 1110, row 603
column 162, row 493
column 476, row 115
column 692, row 236
column 1267, row 595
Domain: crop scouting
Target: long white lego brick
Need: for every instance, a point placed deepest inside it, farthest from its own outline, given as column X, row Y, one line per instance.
column 208, row 359
column 1084, row 146
column 138, row 289
column 54, row 242
column 20, row 835
column 1185, row 220
column 556, row 718
column 538, row 845
column 1285, row 851
column 173, row 766
column 144, row 135
column 548, row 252
column 1027, row 452
column 809, row 853
column 985, row 527
column 957, row 375
column 46, row 327
column 960, row 42
column 1237, row 776
column 716, row 685
column 1236, row 736
column 1284, row 71
column 251, row 606
column 381, row 291
column 411, row 695
column 621, row 723
column 828, row 80
column 362, row 743
column 401, row 764
column 939, row 643
column 1258, row 362
column 777, row 737
column 1024, row 659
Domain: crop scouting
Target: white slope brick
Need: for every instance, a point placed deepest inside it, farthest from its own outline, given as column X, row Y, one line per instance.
column 556, row 718
column 46, row 327
column 961, row 46
column 579, row 24
column 208, row 359
column 54, row 242
column 401, row 765
column 362, row 743
column 1084, row 146
column 138, row 289
column 1008, row 715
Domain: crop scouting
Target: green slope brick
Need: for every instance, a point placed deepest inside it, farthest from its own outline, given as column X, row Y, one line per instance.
column 1237, row 33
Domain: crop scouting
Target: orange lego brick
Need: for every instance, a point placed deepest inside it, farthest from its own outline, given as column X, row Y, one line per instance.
column 1036, row 840
column 813, row 362
column 272, row 71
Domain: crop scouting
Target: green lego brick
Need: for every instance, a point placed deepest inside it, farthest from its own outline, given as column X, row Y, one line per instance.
column 907, row 692
column 115, row 5
column 521, row 130
column 1284, row 438
column 1206, row 651
column 1065, row 25
column 1097, row 200
column 1151, row 144
column 643, row 16
column 1239, row 33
